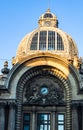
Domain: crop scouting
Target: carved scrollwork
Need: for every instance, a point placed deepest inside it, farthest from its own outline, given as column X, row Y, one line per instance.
column 44, row 93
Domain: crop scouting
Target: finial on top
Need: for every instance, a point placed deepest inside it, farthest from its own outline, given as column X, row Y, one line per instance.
column 48, row 10
column 48, row 4
column 5, row 70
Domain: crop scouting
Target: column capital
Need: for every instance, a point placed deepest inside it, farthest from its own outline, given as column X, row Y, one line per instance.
column 75, row 104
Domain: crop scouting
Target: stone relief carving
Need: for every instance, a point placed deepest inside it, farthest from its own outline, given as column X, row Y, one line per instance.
column 44, row 93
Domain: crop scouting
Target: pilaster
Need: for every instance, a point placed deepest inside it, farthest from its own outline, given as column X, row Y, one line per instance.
column 33, row 118
column 75, row 117
column 2, row 116
column 82, row 115
column 11, row 123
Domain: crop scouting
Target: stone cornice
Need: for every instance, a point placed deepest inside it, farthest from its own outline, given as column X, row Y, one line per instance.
column 76, row 103
column 4, row 102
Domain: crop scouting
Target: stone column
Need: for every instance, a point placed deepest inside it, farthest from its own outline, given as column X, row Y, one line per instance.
column 33, row 121
column 11, row 123
column 53, row 121
column 2, row 117
column 33, row 118
column 53, row 118
column 75, row 117
column 82, row 116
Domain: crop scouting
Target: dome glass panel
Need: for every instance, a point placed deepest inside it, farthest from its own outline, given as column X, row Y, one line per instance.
column 42, row 40
column 34, row 42
column 47, row 40
column 51, row 40
column 60, row 45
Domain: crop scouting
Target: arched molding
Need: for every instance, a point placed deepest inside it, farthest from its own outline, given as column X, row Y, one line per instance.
column 39, row 59
column 37, row 71
column 24, row 46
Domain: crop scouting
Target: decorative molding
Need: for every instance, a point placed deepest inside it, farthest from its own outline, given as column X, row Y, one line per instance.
column 39, row 71
column 77, row 103
column 44, row 91
column 7, row 102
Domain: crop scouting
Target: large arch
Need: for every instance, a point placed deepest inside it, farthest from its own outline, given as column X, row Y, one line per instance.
column 34, row 72
column 28, row 67
column 38, row 59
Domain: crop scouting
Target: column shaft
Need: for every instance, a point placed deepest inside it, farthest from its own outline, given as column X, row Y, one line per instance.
column 11, row 124
column 75, row 119
column 2, row 118
column 53, row 121
column 82, row 117
column 33, row 121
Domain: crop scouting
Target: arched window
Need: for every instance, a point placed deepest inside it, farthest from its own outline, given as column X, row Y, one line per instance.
column 60, row 45
column 48, row 15
column 44, row 107
column 34, row 42
column 51, row 40
column 42, row 40
column 47, row 40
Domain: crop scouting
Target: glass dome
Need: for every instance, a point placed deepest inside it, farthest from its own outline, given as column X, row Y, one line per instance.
column 47, row 40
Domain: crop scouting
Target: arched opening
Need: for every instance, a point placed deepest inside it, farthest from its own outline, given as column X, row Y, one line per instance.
column 43, row 100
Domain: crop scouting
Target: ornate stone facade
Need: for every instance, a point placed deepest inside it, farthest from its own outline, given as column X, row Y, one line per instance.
column 45, row 83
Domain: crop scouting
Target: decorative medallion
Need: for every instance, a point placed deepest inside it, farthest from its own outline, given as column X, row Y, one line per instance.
column 43, row 91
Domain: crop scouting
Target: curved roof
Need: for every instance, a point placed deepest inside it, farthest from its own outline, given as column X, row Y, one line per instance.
column 47, row 38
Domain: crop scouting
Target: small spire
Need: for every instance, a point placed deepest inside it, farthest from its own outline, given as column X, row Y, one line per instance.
column 5, row 64
column 48, row 4
column 48, row 10
column 5, row 70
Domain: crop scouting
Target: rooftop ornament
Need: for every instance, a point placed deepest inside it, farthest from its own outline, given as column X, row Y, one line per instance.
column 5, row 70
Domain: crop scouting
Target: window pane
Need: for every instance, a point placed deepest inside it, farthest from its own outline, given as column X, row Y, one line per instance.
column 61, row 117
column 48, row 15
column 26, row 127
column 51, row 40
column 60, row 45
column 26, row 117
column 26, row 121
column 43, row 121
column 34, row 42
column 61, row 121
column 42, row 40
column 41, row 127
column 60, row 127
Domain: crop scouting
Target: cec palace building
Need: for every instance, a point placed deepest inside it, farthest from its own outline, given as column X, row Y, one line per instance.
column 44, row 88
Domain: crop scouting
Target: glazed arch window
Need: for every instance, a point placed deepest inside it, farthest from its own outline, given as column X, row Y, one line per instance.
column 43, row 121
column 47, row 40
column 48, row 15
column 34, row 42
column 60, row 45
column 61, row 121
column 51, row 40
column 42, row 40
column 26, row 121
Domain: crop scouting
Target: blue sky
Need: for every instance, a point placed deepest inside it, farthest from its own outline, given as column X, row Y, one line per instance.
column 19, row 17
